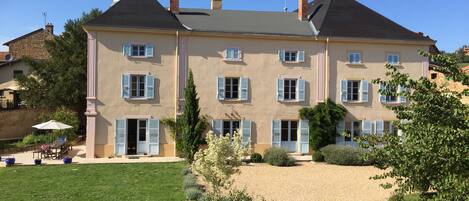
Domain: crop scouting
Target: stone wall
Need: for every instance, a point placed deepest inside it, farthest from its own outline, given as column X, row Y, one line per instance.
column 16, row 124
column 31, row 46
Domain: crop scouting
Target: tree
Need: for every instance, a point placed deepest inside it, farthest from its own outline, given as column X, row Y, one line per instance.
column 433, row 153
column 188, row 128
column 323, row 120
column 61, row 79
column 220, row 160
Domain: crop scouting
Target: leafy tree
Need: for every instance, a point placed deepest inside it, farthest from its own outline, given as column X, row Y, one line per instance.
column 187, row 130
column 61, row 79
column 220, row 160
column 323, row 119
column 433, row 153
column 66, row 116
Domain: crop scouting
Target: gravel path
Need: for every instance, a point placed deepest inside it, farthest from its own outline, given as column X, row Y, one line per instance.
column 312, row 182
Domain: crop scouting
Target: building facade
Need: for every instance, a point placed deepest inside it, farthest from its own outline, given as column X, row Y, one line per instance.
column 253, row 70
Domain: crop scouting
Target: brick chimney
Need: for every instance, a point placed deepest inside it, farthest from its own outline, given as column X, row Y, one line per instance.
column 216, row 4
column 174, row 6
column 50, row 28
column 302, row 10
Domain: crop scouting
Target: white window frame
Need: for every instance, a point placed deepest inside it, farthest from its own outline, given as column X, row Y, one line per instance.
column 230, row 54
column 232, row 129
column 237, row 89
column 138, row 90
column 285, row 80
column 138, row 45
column 393, row 55
column 139, row 127
column 355, row 54
column 349, row 92
column 289, row 130
column 290, row 52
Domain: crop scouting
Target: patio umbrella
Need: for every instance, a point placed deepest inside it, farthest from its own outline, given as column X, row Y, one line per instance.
column 52, row 125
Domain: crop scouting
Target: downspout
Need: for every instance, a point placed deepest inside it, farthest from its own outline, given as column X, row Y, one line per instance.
column 176, row 88
column 326, row 69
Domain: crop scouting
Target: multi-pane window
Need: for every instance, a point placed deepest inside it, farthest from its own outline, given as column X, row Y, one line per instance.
column 394, row 59
column 390, row 128
column 354, row 128
column 142, row 130
column 392, row 98
column 138, row 50
column 353, row 90
column 17, row 73
column 230, row 126
column 231, row 88
column 354, row 58
column 289, row 89
column 233, row 54
column 291, row 56
column 137, row 86
column 289, row 130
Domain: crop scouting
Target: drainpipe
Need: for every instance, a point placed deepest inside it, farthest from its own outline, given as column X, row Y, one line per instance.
column 326, row 69
column 176, row 88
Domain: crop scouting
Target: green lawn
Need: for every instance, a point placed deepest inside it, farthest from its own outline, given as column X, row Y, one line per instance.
column 149, row 181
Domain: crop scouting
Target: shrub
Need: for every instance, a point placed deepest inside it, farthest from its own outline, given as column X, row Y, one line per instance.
column 34, row 139
column 186, row 171
column 190, row 181
column 256, row 158
column 236, row 195
column 220, row 160
column 278, row 157
column 345, row 155
column 318, row 157
column 193, row 193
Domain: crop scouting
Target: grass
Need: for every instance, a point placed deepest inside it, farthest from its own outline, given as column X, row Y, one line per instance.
column 149, row 181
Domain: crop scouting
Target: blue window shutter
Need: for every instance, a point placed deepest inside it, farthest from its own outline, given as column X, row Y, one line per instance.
column 153, row 137
column 402, row 98
column 382, row 98
column 221, row 88
column 366, row 127
column 149, row 50
column 276, row 133
column 125, row 86
column 351, row 58
column 301, row 90
column 301, row 56
column 364, row 90
column 343, row 90
column 379, row 127
column 120, row 137
column 217, row 126
column 244, row 88
column 246, row 132
column 304, row 136
column 280, row 88
column 127, row 49
column 281, row 55
column 150, row 87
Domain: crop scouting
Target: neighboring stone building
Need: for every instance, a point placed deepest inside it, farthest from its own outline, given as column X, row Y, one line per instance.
column 466, row 51
column 30, row 45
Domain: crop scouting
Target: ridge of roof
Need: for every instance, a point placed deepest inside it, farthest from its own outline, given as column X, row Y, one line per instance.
column 23, row 36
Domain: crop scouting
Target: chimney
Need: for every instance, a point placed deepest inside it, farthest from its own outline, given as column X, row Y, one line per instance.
column 302, row 10
column 50, row 28
column 174, row 6
column 216, row 4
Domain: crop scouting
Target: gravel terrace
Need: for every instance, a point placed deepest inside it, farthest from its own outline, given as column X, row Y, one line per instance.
column 312, row 182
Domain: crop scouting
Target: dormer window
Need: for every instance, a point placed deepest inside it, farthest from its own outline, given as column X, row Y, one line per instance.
column 233, row 54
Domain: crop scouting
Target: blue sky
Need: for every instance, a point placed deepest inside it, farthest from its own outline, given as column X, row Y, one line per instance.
column 443, row 21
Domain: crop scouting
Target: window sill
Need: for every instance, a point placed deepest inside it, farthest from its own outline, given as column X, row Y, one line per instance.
column 391, row 103
column 290, row 101
column 232, row 100
column 137, row 99
column 399, row 65
column 354, row 102
column 355, row 64
column 138, row 57
column 292, row 62
column 232, row 60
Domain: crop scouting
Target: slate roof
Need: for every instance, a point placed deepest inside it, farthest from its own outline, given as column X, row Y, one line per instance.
column 137, row 14
column 332, row 18
column 24, row 36
column 251, row 22
column 350, row 18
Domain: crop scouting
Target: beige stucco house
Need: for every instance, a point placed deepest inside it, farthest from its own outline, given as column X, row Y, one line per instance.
column 254, row 71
